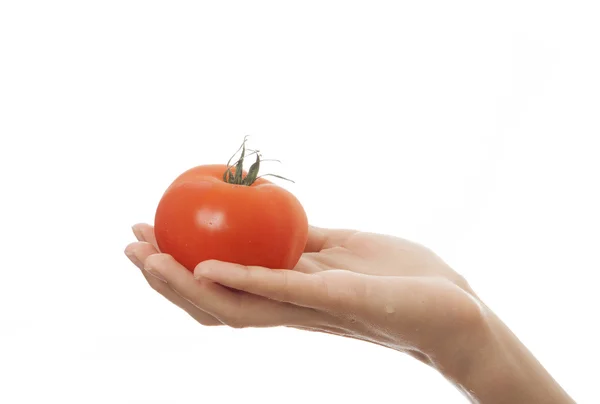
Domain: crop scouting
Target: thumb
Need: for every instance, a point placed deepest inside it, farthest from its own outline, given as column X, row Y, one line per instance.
column 333, row 290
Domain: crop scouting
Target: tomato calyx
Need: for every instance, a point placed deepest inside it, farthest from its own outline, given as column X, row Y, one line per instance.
column 235, row 172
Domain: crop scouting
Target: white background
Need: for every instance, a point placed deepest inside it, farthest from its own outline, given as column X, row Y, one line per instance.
column 470, row 127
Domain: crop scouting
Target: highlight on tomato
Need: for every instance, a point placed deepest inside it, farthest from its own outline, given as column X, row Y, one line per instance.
column 224, row 212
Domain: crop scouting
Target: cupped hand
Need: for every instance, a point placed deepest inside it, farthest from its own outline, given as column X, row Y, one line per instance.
column 371, row 287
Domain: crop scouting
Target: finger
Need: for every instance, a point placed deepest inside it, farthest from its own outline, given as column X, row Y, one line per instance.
column 410, row 301
column 138, row 253
column 340, row 291
column 145, row 232
column 309, row 264
column 165, row 290
column 321, row 238
column 233, row 308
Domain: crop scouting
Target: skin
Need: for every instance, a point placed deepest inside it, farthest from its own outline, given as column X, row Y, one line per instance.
column 376, row 288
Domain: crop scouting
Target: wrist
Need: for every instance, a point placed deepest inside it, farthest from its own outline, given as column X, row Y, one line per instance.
column 489, row 364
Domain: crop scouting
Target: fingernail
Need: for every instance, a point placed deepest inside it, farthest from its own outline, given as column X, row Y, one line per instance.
column 137, row 233
column 132, row 257
column 155, row 273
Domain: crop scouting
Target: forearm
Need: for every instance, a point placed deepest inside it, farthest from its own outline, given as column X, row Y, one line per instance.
column 495, row 367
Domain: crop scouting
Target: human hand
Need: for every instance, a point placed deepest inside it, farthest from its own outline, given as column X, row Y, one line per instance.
column 371, row 287
column 376, row 288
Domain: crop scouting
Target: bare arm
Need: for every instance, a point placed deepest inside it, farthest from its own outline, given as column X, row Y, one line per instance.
column 371, row 287
column 495, row 367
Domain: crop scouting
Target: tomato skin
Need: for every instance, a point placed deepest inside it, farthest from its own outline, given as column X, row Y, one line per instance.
column 202, row 217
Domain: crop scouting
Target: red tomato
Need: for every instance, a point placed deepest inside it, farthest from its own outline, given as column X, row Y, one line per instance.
column 203, row 215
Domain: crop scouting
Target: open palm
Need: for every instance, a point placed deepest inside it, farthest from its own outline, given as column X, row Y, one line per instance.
column 372, row 287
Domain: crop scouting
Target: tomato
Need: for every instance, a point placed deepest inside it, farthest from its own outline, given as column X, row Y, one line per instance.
column 208, row 214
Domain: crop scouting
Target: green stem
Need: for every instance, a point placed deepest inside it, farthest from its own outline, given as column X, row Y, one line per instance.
column 238, row 178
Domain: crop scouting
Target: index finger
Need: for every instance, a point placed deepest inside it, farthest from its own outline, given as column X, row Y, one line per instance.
column 145, row 232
